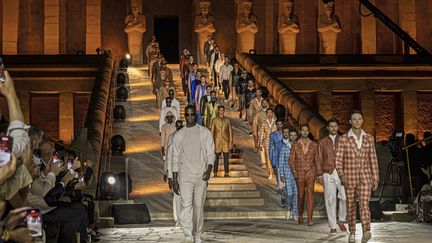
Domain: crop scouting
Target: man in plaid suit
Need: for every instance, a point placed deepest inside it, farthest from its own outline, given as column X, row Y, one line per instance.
column 284, row 169
column 357, row 167
column 304, row 154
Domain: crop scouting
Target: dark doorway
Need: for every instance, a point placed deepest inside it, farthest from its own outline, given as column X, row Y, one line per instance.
column 166, row 30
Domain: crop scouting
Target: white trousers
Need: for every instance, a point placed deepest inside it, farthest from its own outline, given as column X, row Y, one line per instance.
column 176, row 207
column 193, row 192
column 333, row 188
column 263, row 157
column 279, row 181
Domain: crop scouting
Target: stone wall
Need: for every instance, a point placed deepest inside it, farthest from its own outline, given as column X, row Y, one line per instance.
column 75, row 26
column 343, row 103
column 31, row 27
column 48, row 118
column 387, row 42
column 424, row 27
column 80, row 105
column 113, row 14
column 424, row 112
column 387, row 115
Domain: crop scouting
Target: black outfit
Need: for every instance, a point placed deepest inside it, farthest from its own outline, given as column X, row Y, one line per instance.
column 226, row 163
column 226, row 88
column 249, row 96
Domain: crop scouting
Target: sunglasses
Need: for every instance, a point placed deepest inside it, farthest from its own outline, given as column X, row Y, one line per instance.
column 189, row 114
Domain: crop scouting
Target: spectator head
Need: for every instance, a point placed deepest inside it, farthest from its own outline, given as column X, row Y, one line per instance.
column 410, row 139
column 47, row 150
column 36, row 136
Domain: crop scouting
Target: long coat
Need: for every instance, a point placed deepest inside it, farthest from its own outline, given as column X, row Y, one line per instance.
column 222, row 134
column 210, row 112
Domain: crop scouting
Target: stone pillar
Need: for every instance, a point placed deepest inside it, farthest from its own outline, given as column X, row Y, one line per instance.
column 66, row 117
column 325, row 103
column 52, row 27
column 269, row 23
column 93, row 26
column 407, row 16
column 10, row 27
column 409, row 101
column 367, row 104
column 24, row 100
column 368, row 32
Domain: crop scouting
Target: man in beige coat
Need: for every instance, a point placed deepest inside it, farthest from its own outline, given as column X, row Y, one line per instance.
column 223, row 139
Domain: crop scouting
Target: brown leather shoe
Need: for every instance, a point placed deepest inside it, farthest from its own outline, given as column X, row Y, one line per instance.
column 300, row 221
column 333, row 232
column 310, row 223
column 342, row 227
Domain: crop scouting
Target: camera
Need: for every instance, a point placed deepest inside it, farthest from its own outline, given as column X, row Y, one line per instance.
column 395, row 144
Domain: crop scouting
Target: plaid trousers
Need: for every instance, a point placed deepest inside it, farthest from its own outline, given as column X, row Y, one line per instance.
column 291, row 195
column 363, row 192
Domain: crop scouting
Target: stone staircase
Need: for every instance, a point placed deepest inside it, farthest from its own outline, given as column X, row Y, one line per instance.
column 238, row 190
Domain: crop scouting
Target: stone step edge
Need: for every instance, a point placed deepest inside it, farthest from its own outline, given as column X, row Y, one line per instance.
column 281, row 214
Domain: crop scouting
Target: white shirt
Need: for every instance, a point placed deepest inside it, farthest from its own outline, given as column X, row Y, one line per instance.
column 359, row 141
column 333, row 138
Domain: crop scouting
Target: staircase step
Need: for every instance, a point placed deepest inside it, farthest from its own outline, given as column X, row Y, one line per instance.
column 234, row 202
column 230, row 180
column 233, row 173
column 233, row 194
column 231, row 187
column 234, row 167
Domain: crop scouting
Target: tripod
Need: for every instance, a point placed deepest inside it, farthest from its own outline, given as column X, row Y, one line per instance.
column 393, row 172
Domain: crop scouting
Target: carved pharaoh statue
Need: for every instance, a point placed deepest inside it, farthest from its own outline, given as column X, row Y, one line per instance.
column 204, row 26
column 288, row 27
column 135, row 26
column 329, row 27
column 247, row 27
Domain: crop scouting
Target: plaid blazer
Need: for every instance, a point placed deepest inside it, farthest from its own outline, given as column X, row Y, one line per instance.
column 303, row 165
column 357, row 165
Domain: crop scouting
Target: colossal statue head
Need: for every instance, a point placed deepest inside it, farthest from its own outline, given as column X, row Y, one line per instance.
column 247, row 7
column 287, row 7
column 329, row 6
column 204, row 7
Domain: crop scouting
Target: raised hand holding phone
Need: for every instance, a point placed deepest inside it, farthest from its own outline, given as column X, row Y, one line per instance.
column 2, row 71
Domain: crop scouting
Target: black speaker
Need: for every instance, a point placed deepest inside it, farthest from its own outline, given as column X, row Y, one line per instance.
column 130, row 213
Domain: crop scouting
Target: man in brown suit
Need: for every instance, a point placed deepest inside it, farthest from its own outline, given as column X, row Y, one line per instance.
column 357, row 167
column 328, row 176
column 254, row 108
column 303, row 157
column 210, row 109
column 223, row 139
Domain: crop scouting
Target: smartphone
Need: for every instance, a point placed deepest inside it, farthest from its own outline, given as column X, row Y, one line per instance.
column 69, row 164
column 2, row 73
column 33, row 220
column 5, row 150
column 56, row 158
column 81, row 179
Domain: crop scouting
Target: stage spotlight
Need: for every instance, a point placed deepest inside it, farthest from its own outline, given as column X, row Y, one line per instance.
column 118, row 145
column 109, row 186
column 128, row 56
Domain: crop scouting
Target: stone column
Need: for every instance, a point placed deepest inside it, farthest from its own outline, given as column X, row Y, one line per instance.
column 66, row 117
column 367, row 104
column 409, row 101
column 368, row 32
column 407, row 16
column 24, row 100
column 52, row 27
column 325, row 103
column 93, row 26
column 269, row 23
column 10, row 27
